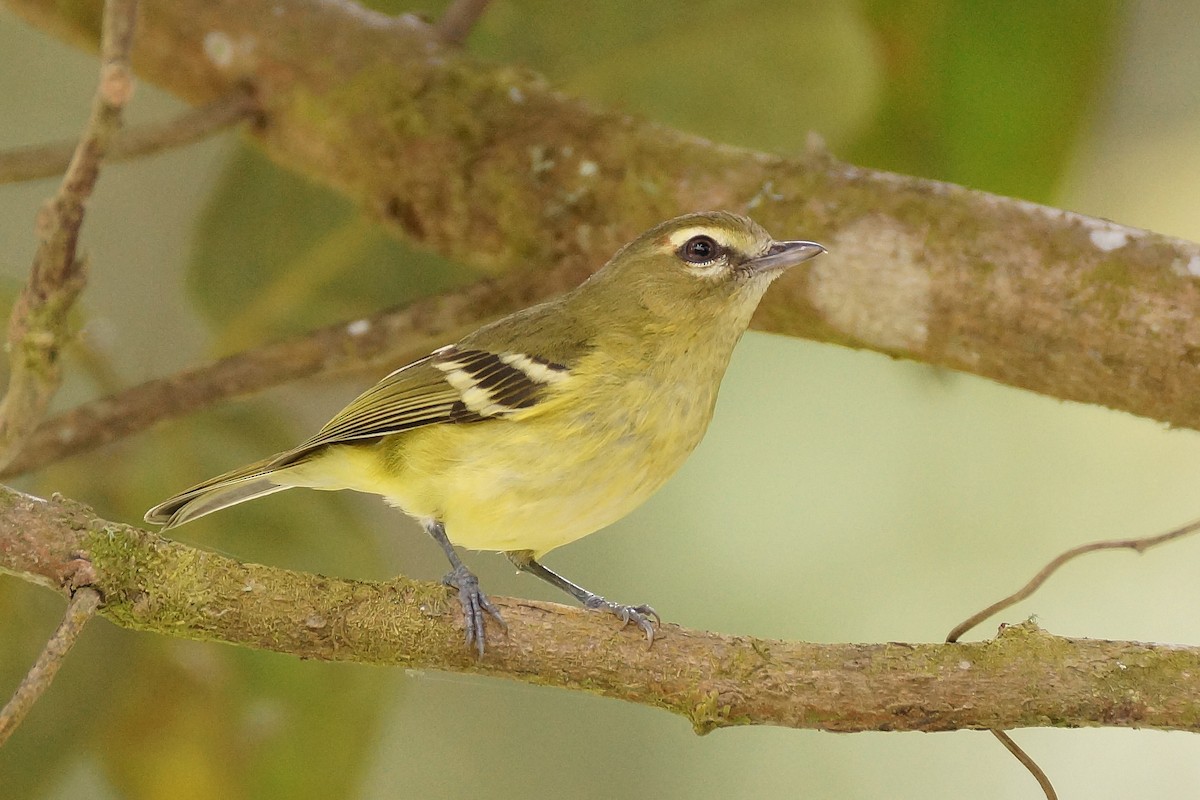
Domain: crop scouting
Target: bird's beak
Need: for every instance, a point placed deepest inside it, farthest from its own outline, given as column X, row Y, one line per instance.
column 782, row 255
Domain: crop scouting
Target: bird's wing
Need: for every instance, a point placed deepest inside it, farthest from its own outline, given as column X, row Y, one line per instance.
column 502, row 370
column 455, row 384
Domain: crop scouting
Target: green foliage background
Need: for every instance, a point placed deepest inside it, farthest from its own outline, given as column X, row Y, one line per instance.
column 839, row 495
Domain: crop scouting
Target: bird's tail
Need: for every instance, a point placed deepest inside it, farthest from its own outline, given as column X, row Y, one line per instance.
column 223, row 491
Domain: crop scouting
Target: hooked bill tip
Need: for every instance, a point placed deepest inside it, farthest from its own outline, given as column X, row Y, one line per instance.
column 781, row 255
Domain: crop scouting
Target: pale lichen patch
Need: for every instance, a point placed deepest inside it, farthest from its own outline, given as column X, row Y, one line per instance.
column 218, row 48
column 1187, row 269
column 228, row 54
column 872, row 285
column 1108, row 239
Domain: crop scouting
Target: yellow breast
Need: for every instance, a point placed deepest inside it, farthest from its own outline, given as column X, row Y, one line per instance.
column 573, row 464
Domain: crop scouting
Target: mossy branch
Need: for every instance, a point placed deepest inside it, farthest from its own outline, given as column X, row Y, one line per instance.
column 489, row 165
column 1025, row 677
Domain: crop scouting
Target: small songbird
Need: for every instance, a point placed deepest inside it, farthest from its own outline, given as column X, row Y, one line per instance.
column 550, row 423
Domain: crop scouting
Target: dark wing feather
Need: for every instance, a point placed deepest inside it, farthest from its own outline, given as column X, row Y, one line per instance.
column 410, row 397
column 452, row 385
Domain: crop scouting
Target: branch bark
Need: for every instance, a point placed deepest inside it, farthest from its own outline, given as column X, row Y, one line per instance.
column 44, row 161
column 37, row 325
column 379, row 342
column 1024, row 677
column 80, row 610
column 488, row 165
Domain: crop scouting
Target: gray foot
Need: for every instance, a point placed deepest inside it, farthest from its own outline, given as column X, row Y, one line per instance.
column 643, row 616
column 474, row 604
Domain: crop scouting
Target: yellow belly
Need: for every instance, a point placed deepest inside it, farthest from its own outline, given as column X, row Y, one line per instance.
column 533, row 483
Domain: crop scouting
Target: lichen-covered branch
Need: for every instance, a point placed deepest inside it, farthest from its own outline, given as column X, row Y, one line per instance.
column 489, row 165
column 1024, row 677
column 37, row 326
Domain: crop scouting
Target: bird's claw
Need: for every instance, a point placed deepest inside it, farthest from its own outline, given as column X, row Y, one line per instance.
column 643, row 616
column 474, row 604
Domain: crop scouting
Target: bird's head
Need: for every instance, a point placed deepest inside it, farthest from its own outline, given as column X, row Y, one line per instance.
column 702, row 264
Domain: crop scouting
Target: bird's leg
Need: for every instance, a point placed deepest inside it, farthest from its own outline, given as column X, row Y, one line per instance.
column 474, row 601
column 639, row 615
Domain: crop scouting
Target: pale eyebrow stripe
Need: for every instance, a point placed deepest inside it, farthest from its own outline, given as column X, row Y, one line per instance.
column 683, row 234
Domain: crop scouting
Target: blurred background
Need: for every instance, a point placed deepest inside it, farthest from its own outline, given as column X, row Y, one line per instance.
column 839, row 496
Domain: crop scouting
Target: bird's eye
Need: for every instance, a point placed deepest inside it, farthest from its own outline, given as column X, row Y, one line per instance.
column 700, row 250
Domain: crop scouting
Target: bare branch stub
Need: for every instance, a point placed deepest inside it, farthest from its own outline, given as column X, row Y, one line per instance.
column 456, row 22
column 37, row 326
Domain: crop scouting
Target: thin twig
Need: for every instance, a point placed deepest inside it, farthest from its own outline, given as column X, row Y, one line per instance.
column 1029, row 764
column 82, row 607
column 456, row 22
column 1140, row 545
column 43, row 161
column 376, row 342
column 38, row 325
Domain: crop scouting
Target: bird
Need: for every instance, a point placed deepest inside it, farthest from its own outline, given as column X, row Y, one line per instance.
column 548, row 424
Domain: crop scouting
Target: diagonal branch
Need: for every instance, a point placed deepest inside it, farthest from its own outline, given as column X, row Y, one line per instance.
column 377, row 342
column 37, row 326
column 43, row 161
column 1039, row 775
column 491, row 166
column 1025, row 677
column 82, row 607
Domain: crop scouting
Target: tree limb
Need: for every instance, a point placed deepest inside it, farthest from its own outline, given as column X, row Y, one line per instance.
column 1024, row 677
column 43, row 161
column 37, row 326
column 81, row 608
column 488, row 165
column 380, row 342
